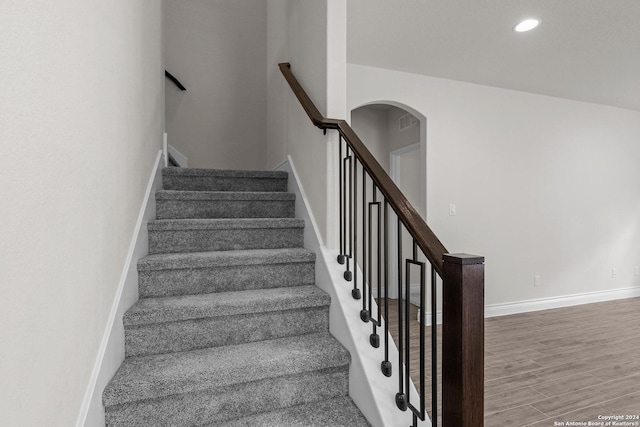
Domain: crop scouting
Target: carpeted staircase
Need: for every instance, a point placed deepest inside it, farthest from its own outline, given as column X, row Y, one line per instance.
column 230, row 329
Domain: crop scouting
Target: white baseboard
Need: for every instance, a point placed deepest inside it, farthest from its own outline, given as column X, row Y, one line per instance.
column 111, row 352
column 182, row 160
column 505, row 309
column 302, row 206
column 165, row 149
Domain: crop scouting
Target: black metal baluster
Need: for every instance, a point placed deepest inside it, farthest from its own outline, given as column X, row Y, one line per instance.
column 340, row 200
column 374, row 338
column 418, row 413
column 348, row 161
column 355, row 292
column 386, row 365
column 401, row 400
column 422, row 333
column 364, row 313
column 434, row 348
column 407, row 305
column 407, row 335
column 369, row 239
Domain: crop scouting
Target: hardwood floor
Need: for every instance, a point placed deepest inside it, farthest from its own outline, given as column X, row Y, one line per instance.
column 568, row 364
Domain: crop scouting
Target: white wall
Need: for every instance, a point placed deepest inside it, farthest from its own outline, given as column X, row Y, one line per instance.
column 217, row 49
column 311, row 35
column 378, row 127
column 401, row 138
column 81, row 121
column 409, row 177
column 372, row 126
column 543, row 186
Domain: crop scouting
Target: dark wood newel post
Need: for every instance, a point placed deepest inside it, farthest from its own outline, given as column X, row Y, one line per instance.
column 463, row 341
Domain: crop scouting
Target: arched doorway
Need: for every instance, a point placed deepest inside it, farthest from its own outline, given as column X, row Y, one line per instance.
column 396, row 136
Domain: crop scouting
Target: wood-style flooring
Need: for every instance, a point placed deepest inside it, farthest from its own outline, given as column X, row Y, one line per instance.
column 554, row 366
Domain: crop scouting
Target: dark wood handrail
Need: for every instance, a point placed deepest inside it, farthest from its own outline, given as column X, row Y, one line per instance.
column 416, row 226
column 174, row 80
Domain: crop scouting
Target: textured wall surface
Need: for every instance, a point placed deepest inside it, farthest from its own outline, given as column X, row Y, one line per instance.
column 217, row 49
column 543, row 186
column 311, row 35
column 81, row 121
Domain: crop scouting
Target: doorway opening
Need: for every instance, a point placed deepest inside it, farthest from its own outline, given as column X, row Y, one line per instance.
column 396, row 136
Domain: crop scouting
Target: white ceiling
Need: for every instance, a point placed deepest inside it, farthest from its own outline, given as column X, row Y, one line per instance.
column 587, row 50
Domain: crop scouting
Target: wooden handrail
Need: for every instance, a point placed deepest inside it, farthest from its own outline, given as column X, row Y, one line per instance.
column 174, row 80
column 416, row 226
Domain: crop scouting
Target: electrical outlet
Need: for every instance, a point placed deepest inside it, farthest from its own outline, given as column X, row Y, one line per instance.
column 536, row 281
column 614, row 273
column 452, row 209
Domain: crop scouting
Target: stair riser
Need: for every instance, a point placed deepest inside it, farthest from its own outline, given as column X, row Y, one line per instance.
column 182, row 209
column 159, row 283
column 188, row 335
column 227, row 403
column 340, row 411
column 173, row 241
column 190, row 183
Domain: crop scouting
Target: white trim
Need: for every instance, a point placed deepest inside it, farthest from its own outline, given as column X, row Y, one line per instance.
column 505, row 309
column 182, row 160
column 406, row 149
column 370, row 390
column 394, row 159
column 284, row 166
column 495, row 310
column 302, row 205
column 111, row 352
column 165, row 149
column 427, row 316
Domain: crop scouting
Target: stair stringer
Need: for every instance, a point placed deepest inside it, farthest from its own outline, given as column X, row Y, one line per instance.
column 370, row 390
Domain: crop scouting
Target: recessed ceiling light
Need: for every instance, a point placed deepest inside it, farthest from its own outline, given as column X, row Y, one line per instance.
column 526, row 25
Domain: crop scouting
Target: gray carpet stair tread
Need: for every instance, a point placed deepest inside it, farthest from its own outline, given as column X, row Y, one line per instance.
column 150, row 377
column 338, row 412
column 224, row 195
column 230, row 329
column 226, row 173
column 225, row 258
column 223, row 224
column 223, row 180
column 169, row 309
